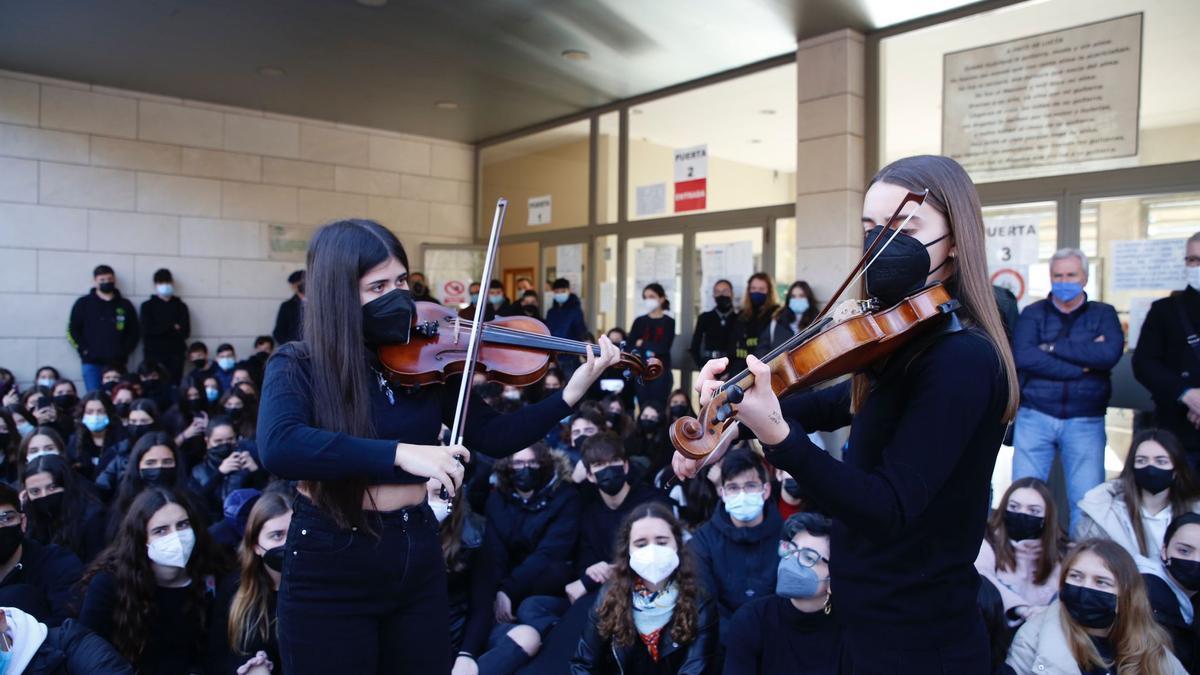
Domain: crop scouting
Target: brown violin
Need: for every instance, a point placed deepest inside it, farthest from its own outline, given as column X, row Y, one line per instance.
column 513, row 350
column 839, row 342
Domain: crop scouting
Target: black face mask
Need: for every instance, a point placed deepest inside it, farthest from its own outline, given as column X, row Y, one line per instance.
column 724, row 303
column 1153, row 479
column 387, row 319
column 611, row 479
column 614, row 418
column 66, row 401
column 488, row 390
column 1022, row 526
column 108, row 386
column 1186, row 572
column 234, row 414
column 273, row 558
column 10, row 539
column 136, row 431
column 220, row 452
column 107, row 287
column 123, row 409
column 679, row 410
column 300, row 288
column 158, row 476
column 902, row 267
column 577, row 444
column 1091, row 608
column 647, row 426
column 4, row 439
column 48, row 507
column 418, row 288
column 791, row 487
column 199, row 364
column 529, row 310
column 525, row 479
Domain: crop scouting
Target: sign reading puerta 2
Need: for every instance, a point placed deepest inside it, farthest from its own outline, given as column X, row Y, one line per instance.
column 691, row 179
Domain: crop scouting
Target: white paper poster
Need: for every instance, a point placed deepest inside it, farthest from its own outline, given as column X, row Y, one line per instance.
column 450, row 272
column 733, row 261
column 569, row 265
column 1139, row 307
column 651, row 199
column 655, row 264
column 608, row 297
column 1063, row 97
column 539, row 210
column 1148, row 264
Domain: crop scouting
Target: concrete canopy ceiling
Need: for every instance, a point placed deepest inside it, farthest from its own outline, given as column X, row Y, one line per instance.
column 386, row 67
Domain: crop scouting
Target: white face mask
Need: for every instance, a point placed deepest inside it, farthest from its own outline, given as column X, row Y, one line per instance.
column 650, row 304
column 653, row 562
column 173, row 550
column 441, row 509
column 34, row 455
column 1193, row 276
column 47, row 382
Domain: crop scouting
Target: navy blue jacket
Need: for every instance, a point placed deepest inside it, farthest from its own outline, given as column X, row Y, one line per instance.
column 1055, row 382
column 738, row 564
column 71, row 648
column 565, row 320
column 46, row 571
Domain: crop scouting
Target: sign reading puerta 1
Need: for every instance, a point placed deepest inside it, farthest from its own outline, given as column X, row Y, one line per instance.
column 1066, row 97
column 691, row 179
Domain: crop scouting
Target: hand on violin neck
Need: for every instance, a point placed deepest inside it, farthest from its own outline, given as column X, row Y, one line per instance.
column 759, row 409
column 592, row 368
column 708, row 382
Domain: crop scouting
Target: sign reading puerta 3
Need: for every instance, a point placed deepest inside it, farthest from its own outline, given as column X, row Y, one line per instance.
column 691, row 179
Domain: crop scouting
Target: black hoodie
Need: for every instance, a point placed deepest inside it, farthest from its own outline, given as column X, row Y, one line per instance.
column 103, row 331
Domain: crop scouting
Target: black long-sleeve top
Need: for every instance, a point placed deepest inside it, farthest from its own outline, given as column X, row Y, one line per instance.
column 910, row 501
column 713, row 336
column 166, row 326
column 289, row 321
column 654, row 336
column 171, row 644
column 103, row 331
column 1166, row 364
column 291, row 447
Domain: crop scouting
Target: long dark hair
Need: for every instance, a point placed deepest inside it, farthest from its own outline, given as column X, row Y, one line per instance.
column 67, row 528
column 84, row 450
column 247, row 423
column 952, row 193
column 661, row 292
column 809, row 314
column 9, row 448
column 1052, row 537
column 250, row 609
column 1183, row 486
column 615, row 612
column 338, row 256
column 136, row 588
column 132, row 484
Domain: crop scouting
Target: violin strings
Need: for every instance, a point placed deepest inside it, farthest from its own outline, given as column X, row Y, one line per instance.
column 545, row 339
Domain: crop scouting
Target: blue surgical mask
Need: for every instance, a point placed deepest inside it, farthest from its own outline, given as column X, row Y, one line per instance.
column 1066, row 291
column 5, row 659
column 95, row 423
column 561, row 297
column 744, row 506
column 474, row 298
column 794, row 580
column 226, row 362
column 798, row 305
column 47, row 382
column 211, row 394
column 165, row 290
column 496, row 300
column 24, row 428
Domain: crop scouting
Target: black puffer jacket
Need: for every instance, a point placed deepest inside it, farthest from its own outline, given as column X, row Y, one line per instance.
column 528, row 544
column 599, row 655
column 72, row 649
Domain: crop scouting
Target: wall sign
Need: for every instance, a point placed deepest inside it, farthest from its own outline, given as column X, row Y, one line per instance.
column 691, row 178
column 539, row 210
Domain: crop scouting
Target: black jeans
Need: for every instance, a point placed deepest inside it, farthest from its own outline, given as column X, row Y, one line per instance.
column 357, row 602
column 969, row 654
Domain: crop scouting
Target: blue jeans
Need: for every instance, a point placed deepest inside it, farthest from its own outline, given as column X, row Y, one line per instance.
column 1037, row 436
column 92, row 373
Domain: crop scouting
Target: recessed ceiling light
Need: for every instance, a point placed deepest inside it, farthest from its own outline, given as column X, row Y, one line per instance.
column 575, row 55
column 755, row 141
column 446, row 105
column 271, row 71
column 766, row 111
column 372, row 3
column 635, row 111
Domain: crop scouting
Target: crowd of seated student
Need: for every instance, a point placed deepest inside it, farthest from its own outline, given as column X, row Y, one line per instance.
column 139, row 533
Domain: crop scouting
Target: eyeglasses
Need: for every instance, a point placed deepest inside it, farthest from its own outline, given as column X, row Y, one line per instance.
column 519, row 464
column 1191, row 260
column 807, row 556
column 738, row 488
column 9, row 518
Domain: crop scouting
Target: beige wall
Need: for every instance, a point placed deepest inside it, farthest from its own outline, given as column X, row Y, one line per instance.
column 560, row 171
column 90, row 175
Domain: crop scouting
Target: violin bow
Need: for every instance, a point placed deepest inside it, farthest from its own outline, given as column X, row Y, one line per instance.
column 468, row 373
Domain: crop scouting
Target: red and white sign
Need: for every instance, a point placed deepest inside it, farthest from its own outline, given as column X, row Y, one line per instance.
column 1011, row 279
column 691, row 179
column 454, row 293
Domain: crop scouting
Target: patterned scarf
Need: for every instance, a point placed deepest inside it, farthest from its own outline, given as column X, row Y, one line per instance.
column 652, row 611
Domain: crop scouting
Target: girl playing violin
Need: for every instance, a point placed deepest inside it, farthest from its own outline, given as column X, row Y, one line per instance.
column 364, row 585
column 910, row 500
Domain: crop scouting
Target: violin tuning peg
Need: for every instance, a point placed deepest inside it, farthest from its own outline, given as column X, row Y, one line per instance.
column 621, row 346
column 735, row 394
column 627, row 373
column 724, row 412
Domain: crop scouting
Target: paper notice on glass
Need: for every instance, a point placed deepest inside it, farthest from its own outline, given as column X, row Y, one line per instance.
column 608, row 297
column 1148, row 264
column 733, row 261
column 570, row 265
column 656, row 264
column 651, row 199
column 1139, row 307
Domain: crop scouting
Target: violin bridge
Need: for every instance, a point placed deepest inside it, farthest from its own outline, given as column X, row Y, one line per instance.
column 457, row 329
column 848, row 309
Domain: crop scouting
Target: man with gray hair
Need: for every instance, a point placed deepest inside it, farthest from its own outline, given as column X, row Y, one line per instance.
column 1167, row 358
column 1064, row 348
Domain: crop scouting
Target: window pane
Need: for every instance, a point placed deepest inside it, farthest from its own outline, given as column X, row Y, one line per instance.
column 1018, row 260
column 607, row 162
column 731, row 263
column 748, row 127
column 568, row 261
column 605, row 264
column 912, row 84
column 653, row 259
column 548, row 166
